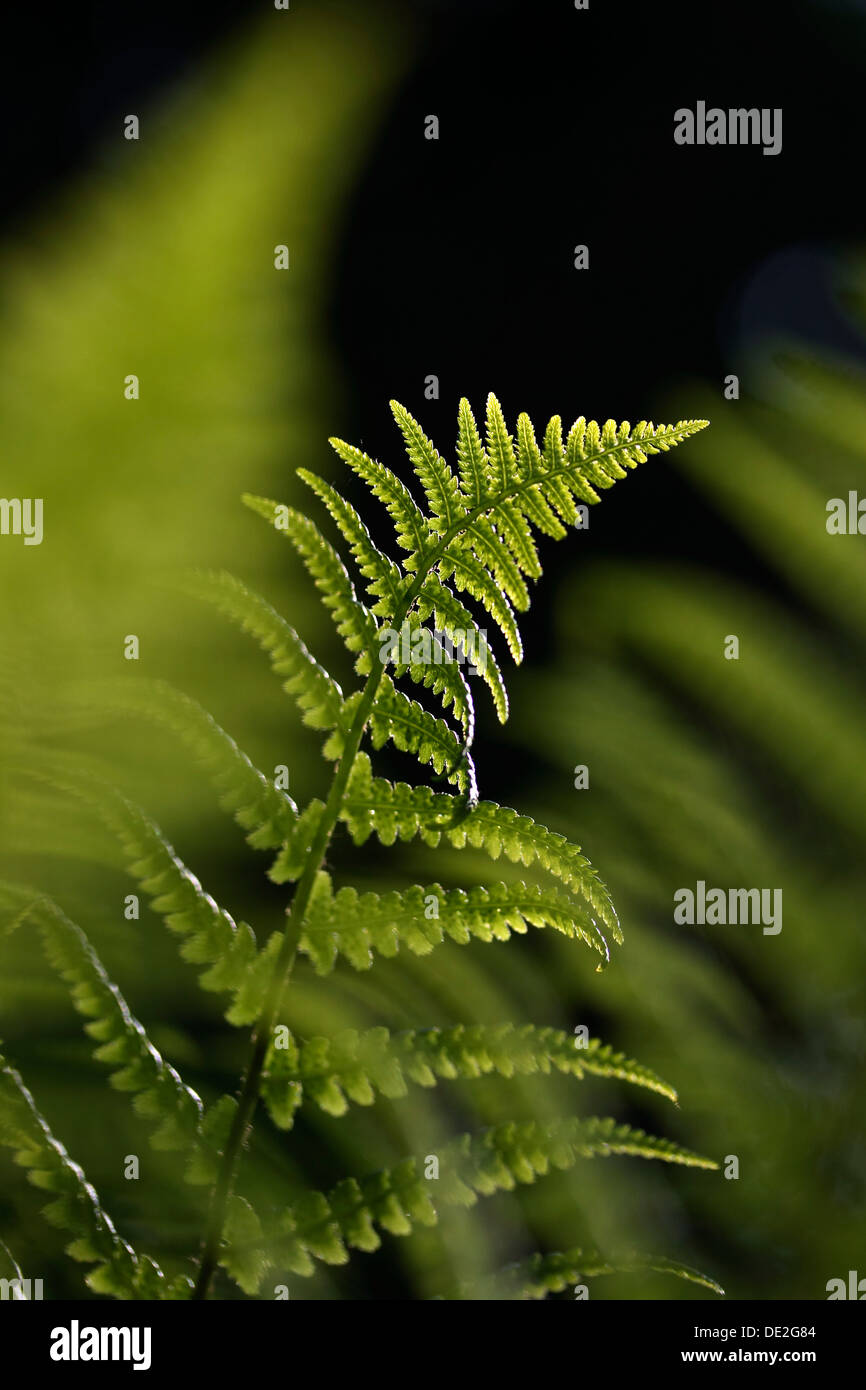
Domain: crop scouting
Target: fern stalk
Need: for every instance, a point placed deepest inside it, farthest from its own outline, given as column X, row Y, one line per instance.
column 263, row 1030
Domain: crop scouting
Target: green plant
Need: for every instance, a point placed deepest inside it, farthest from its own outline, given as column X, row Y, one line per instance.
column 475, row 539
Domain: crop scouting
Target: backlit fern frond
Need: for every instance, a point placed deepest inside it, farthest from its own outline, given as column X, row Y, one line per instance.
column 452, row 618
column 447, row 507
column 373, row 805
column 413, row 729
column 384, row 581
column 211, row 937
column 355, row 624
column 318, row 696
column 396, row 1200
column 357, row 925
column 475, row 542
column 410, row 524
column 354, row 1067
column 421, row 655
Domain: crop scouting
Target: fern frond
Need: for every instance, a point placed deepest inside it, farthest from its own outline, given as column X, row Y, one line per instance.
column 492, row 555
column 354, row 1066
column 410, row 523
column 203, row 1158
column 452, row 618
column 471, row 577
column 559, row 495
column 413, row 729
column 355, row 925
column 384, row 580
column 355, row 623
column 440, row 673
column 396, row 1200
column 472, row 457
column 531, row 464
column 373, row 805
column 540, row 1275
column 264, row 810
column 513, row 528
column 506, row 493
column 447, row 506
column 292, row 858
column 75, row 1206
column 393, row 810
column 502, row 470
column 211, row 937
column 319, row 698
column 135, row 1063
column 242, row 1256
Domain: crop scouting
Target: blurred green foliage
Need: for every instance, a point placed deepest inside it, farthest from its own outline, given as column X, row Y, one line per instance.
column 741, row 773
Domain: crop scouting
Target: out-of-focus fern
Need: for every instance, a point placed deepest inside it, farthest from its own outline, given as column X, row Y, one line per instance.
column 741, row 772
column 543, row 1274
column 475, row 537
column 321, row 1226
column 75, row 1206
column 354, row 1067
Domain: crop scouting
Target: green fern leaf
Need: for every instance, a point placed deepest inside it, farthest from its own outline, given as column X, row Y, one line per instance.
column 264, row 810
column 398, row 1199
column 478, row 537
column 292, row 858
column 503, row 471
column 384, row 580
column 211, row 937
column 531, row 464
column 119, row 1271
column 202, row 1165
column 490, row 553
column 353, row 1067
column 432, row 666
column 373, row 805
column 136, row 1065
column 357, row 925
column 447, row 506
column 413, row 532
column 319, row 697
column 471, row 577
column 413, row 729
column 558, row 494
column 452, row 618
column 355, row 624
column 540, row 1275
column 472, row 457
column 241, row 1257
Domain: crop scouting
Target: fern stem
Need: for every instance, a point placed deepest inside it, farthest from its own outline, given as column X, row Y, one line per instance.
column 249, row 1092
